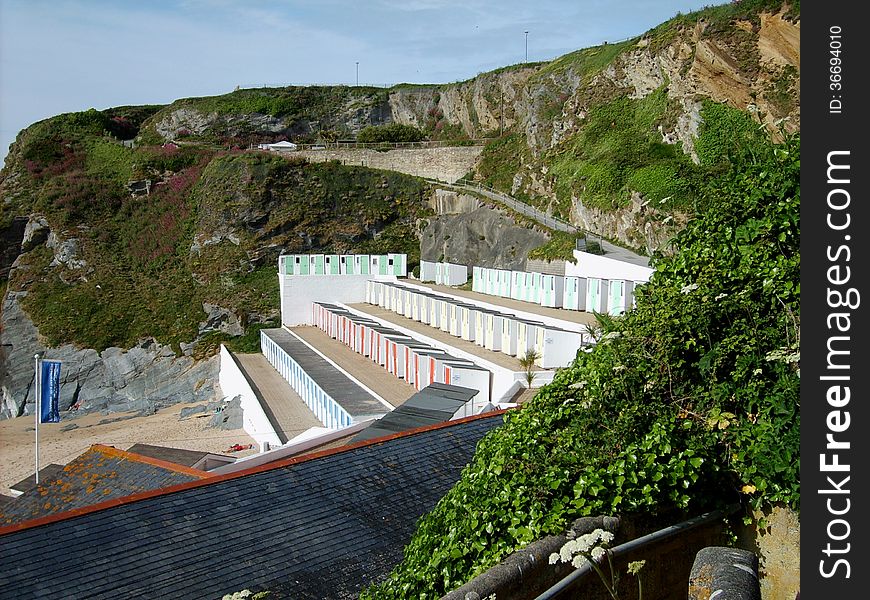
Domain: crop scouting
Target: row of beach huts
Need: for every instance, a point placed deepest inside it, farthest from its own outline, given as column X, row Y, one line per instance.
column 417, row 362
column 498, row 331
column 343, row 264
column 612, row 294
column 590, row 294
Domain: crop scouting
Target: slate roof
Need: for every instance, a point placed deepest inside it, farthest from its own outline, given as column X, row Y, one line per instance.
column 45, row 473
column 435, row 403
column 188, row 458
column 355, row 400
column 311, row 527
column 100, row 473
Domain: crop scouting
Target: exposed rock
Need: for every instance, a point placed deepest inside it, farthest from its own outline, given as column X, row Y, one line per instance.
column 550, row 106
column 445, row 202
column 10, row 242
column 184, row 119
column 35, row 233
column 66, row 252
column 145, row 378
column 640, row 225
column 220, row 319
column 189, row 411
column 229, row 415
column 484, row 236
column 216, row 237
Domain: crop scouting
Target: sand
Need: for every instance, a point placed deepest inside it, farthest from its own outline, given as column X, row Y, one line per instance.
column 164, row 428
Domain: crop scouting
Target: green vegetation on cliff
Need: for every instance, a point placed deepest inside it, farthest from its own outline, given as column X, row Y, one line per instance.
column 688, row 401
column 126, row 267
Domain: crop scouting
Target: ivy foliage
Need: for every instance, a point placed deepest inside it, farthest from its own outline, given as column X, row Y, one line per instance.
column 688, row 401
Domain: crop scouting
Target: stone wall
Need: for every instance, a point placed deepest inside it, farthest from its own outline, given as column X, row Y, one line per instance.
column 449, row 202
column 445, row 164
column 665, row 575
column 550, row 267
column 778, row 548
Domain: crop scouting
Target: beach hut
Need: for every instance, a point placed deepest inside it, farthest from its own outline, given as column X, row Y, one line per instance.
column 574, row 294
column 470, row 375
column 552, row 290
column 518, row 285
column 480, row 327
column 317, row 264
column 333, row 264
column 596, row 299
column 407, row 303
column 490, row 325
column 346, row 265
column 509, row 335
column 370, row 291
column 478, row 283
column 620, row 297
column 428, row 271
column 455, row 326
column 468, row 315
column 556, row 347
column 533, row 287
column 527, row 332
column 504, row 283
column 444, row 318
column 397, row 264
column 451, row 274
column 361, row 264
column 434, row 303
column 423, row 313
column 414, row 304
column 487, row 286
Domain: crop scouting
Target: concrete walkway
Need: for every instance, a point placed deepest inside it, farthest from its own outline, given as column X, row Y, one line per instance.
column 290, row 416
column 373, row 376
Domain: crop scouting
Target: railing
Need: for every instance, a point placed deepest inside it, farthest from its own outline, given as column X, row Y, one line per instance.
column 353, row 145
column 563, row 588
column 522, row 208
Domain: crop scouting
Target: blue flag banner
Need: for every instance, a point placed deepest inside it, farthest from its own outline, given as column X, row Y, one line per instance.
column 50, row 391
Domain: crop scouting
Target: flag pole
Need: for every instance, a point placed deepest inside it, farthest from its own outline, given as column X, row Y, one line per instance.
column 38, row 408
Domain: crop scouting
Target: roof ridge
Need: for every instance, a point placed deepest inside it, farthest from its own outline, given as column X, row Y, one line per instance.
column 155, row 462
column 215, row 479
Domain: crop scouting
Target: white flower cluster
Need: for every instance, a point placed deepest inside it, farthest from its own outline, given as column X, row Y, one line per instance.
column 578, row 551
column 689, row 288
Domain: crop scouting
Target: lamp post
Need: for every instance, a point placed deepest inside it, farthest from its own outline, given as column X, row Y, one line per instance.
column 527, row 45
column 357, row 73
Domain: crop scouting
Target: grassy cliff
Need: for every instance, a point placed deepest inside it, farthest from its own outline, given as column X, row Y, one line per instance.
column 118, row 267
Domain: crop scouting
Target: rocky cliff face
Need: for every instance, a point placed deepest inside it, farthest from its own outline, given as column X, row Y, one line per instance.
column 252, row 115
column 467, row 231
column 749, row 63
column 142, row 379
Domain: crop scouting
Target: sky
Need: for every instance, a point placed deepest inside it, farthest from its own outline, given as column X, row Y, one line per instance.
column 60, row 56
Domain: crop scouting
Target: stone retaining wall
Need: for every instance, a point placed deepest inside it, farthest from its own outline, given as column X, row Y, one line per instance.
column 445, row 164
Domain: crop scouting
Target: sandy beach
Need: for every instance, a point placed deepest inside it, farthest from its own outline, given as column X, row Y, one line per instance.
column 164, row 428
